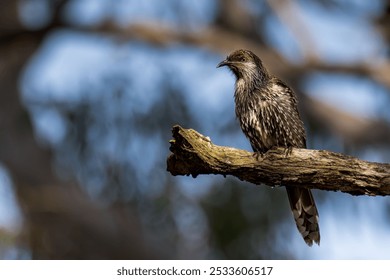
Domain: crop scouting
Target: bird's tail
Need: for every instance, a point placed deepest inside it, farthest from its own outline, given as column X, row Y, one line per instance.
column 305, row 214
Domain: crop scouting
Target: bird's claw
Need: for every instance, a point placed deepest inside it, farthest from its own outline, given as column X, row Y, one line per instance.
column 288, row 151
column 258, row 155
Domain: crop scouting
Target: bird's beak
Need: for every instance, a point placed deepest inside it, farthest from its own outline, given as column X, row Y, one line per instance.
column 223, row 63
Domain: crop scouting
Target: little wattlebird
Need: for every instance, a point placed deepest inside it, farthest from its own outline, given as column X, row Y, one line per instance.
column 268, row 115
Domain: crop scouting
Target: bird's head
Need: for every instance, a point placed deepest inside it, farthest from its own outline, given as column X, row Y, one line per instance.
column 246, row 65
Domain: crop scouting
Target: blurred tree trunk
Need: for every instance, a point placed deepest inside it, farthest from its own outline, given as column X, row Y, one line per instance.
column 60, row 221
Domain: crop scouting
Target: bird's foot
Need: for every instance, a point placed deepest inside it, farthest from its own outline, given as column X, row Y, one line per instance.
column 258, row 155
column 288, row 151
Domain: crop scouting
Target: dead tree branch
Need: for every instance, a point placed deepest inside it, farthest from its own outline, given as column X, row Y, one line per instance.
column 194, row 154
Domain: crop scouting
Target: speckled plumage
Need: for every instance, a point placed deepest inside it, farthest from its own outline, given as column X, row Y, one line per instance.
column 268, row 115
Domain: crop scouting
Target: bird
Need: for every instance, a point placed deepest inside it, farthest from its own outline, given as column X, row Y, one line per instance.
column 267, row 111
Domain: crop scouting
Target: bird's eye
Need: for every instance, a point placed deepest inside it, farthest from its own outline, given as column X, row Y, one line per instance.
column 243, row 59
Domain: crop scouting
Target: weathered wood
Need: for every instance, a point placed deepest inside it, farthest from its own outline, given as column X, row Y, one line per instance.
column 194, row 154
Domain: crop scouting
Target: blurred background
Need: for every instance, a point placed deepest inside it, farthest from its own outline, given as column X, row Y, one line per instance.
column 89, row 91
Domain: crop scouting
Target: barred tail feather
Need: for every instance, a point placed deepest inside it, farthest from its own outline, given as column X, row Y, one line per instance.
column 305, row 214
